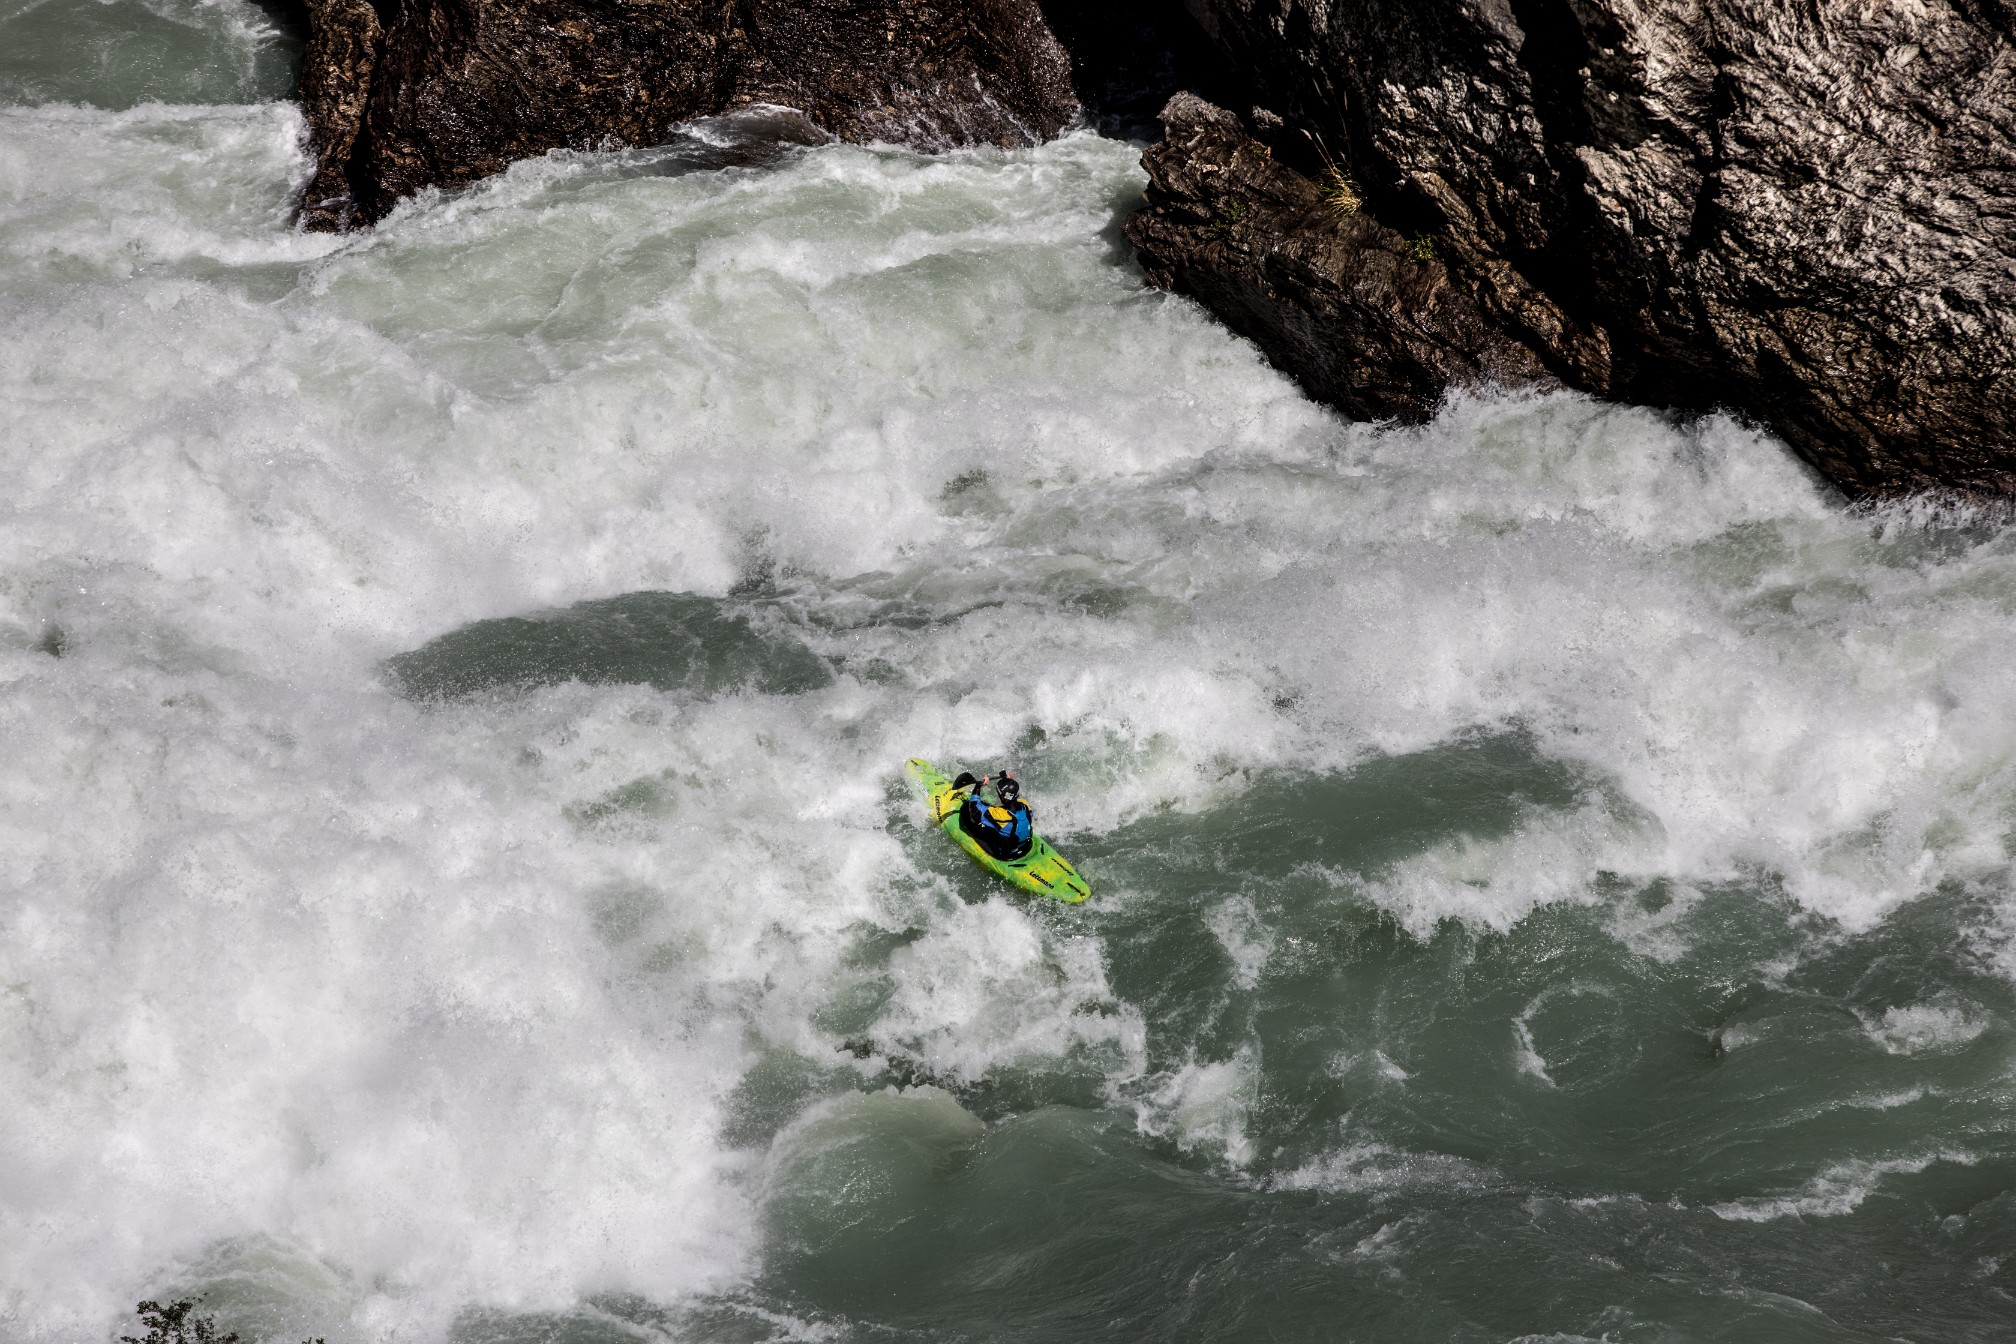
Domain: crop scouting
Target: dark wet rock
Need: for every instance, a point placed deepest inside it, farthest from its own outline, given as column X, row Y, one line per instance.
column 748, row 137
column 1128, row 57
column 336, row 66
column 1364, row 316
column 448, row 91
column 1805, row 212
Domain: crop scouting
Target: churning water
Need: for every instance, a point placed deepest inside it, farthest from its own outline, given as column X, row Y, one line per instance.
column 1552, row 866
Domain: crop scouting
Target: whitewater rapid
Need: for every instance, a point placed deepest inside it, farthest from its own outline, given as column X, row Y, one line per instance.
column 387, row 1008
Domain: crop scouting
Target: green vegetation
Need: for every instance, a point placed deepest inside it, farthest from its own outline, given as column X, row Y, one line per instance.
column 1340, row 193
column 1337, row 188
column 177, row 1323
column 1421, row 247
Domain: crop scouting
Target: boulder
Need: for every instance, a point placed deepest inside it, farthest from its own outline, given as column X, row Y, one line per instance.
column 1364, row 316
column 1802, row 210
column 439, row 93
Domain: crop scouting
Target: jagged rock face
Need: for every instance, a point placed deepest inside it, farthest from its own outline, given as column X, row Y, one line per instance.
column 1802, row 209
column 448, row 91
column 1363, row 316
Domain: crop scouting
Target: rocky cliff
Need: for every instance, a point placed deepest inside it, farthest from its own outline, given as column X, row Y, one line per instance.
column 1367, row 318
column 1801, row 209
column 405, row 95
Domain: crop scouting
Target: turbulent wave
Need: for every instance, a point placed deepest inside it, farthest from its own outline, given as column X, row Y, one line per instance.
column 458, row 883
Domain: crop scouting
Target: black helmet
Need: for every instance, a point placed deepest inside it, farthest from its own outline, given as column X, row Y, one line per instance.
column 1007, row 788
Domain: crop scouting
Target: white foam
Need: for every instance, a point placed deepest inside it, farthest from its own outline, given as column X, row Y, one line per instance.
column 1742, row 1034
column 1840, row 1189
column 1382, row 1172
column 1245, row 937
column 86, row 194
column 1203, row 1106
column 1924, row 1028
column 295, row 958
column 289, row 956
column 1388, row 1069
column 1388, row 1244
column 1526, row 1056
column 1495, row 882
column 985, row 990
column 1657, row 934
column 1890, row 1101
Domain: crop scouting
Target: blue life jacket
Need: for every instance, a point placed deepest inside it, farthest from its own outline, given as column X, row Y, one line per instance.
column 1001, row 829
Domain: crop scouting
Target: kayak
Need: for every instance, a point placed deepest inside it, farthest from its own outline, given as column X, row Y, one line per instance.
column 1042, row 871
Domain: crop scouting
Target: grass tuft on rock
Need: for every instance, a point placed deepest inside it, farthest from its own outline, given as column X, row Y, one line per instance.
column 1340, row 193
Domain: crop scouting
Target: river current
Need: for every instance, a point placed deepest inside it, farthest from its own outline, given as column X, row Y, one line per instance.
column 1552, row 866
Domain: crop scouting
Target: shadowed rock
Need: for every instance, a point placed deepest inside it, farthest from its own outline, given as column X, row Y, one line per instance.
column 1365, row 317
column 448, row 91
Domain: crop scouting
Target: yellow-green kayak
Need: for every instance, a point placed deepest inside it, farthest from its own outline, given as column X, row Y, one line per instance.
column 1042, row 870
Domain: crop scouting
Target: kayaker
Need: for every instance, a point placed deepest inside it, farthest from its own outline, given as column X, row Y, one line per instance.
column 1002, row 826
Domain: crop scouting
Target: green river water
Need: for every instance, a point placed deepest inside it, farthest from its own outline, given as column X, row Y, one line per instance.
column 1552, row 866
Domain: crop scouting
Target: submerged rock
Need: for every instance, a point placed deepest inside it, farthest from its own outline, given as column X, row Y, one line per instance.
column 1805, row 212
column 442, row 92
column 671, row 641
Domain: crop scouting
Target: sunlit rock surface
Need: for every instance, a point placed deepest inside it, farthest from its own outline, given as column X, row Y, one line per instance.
column 1804, row 212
